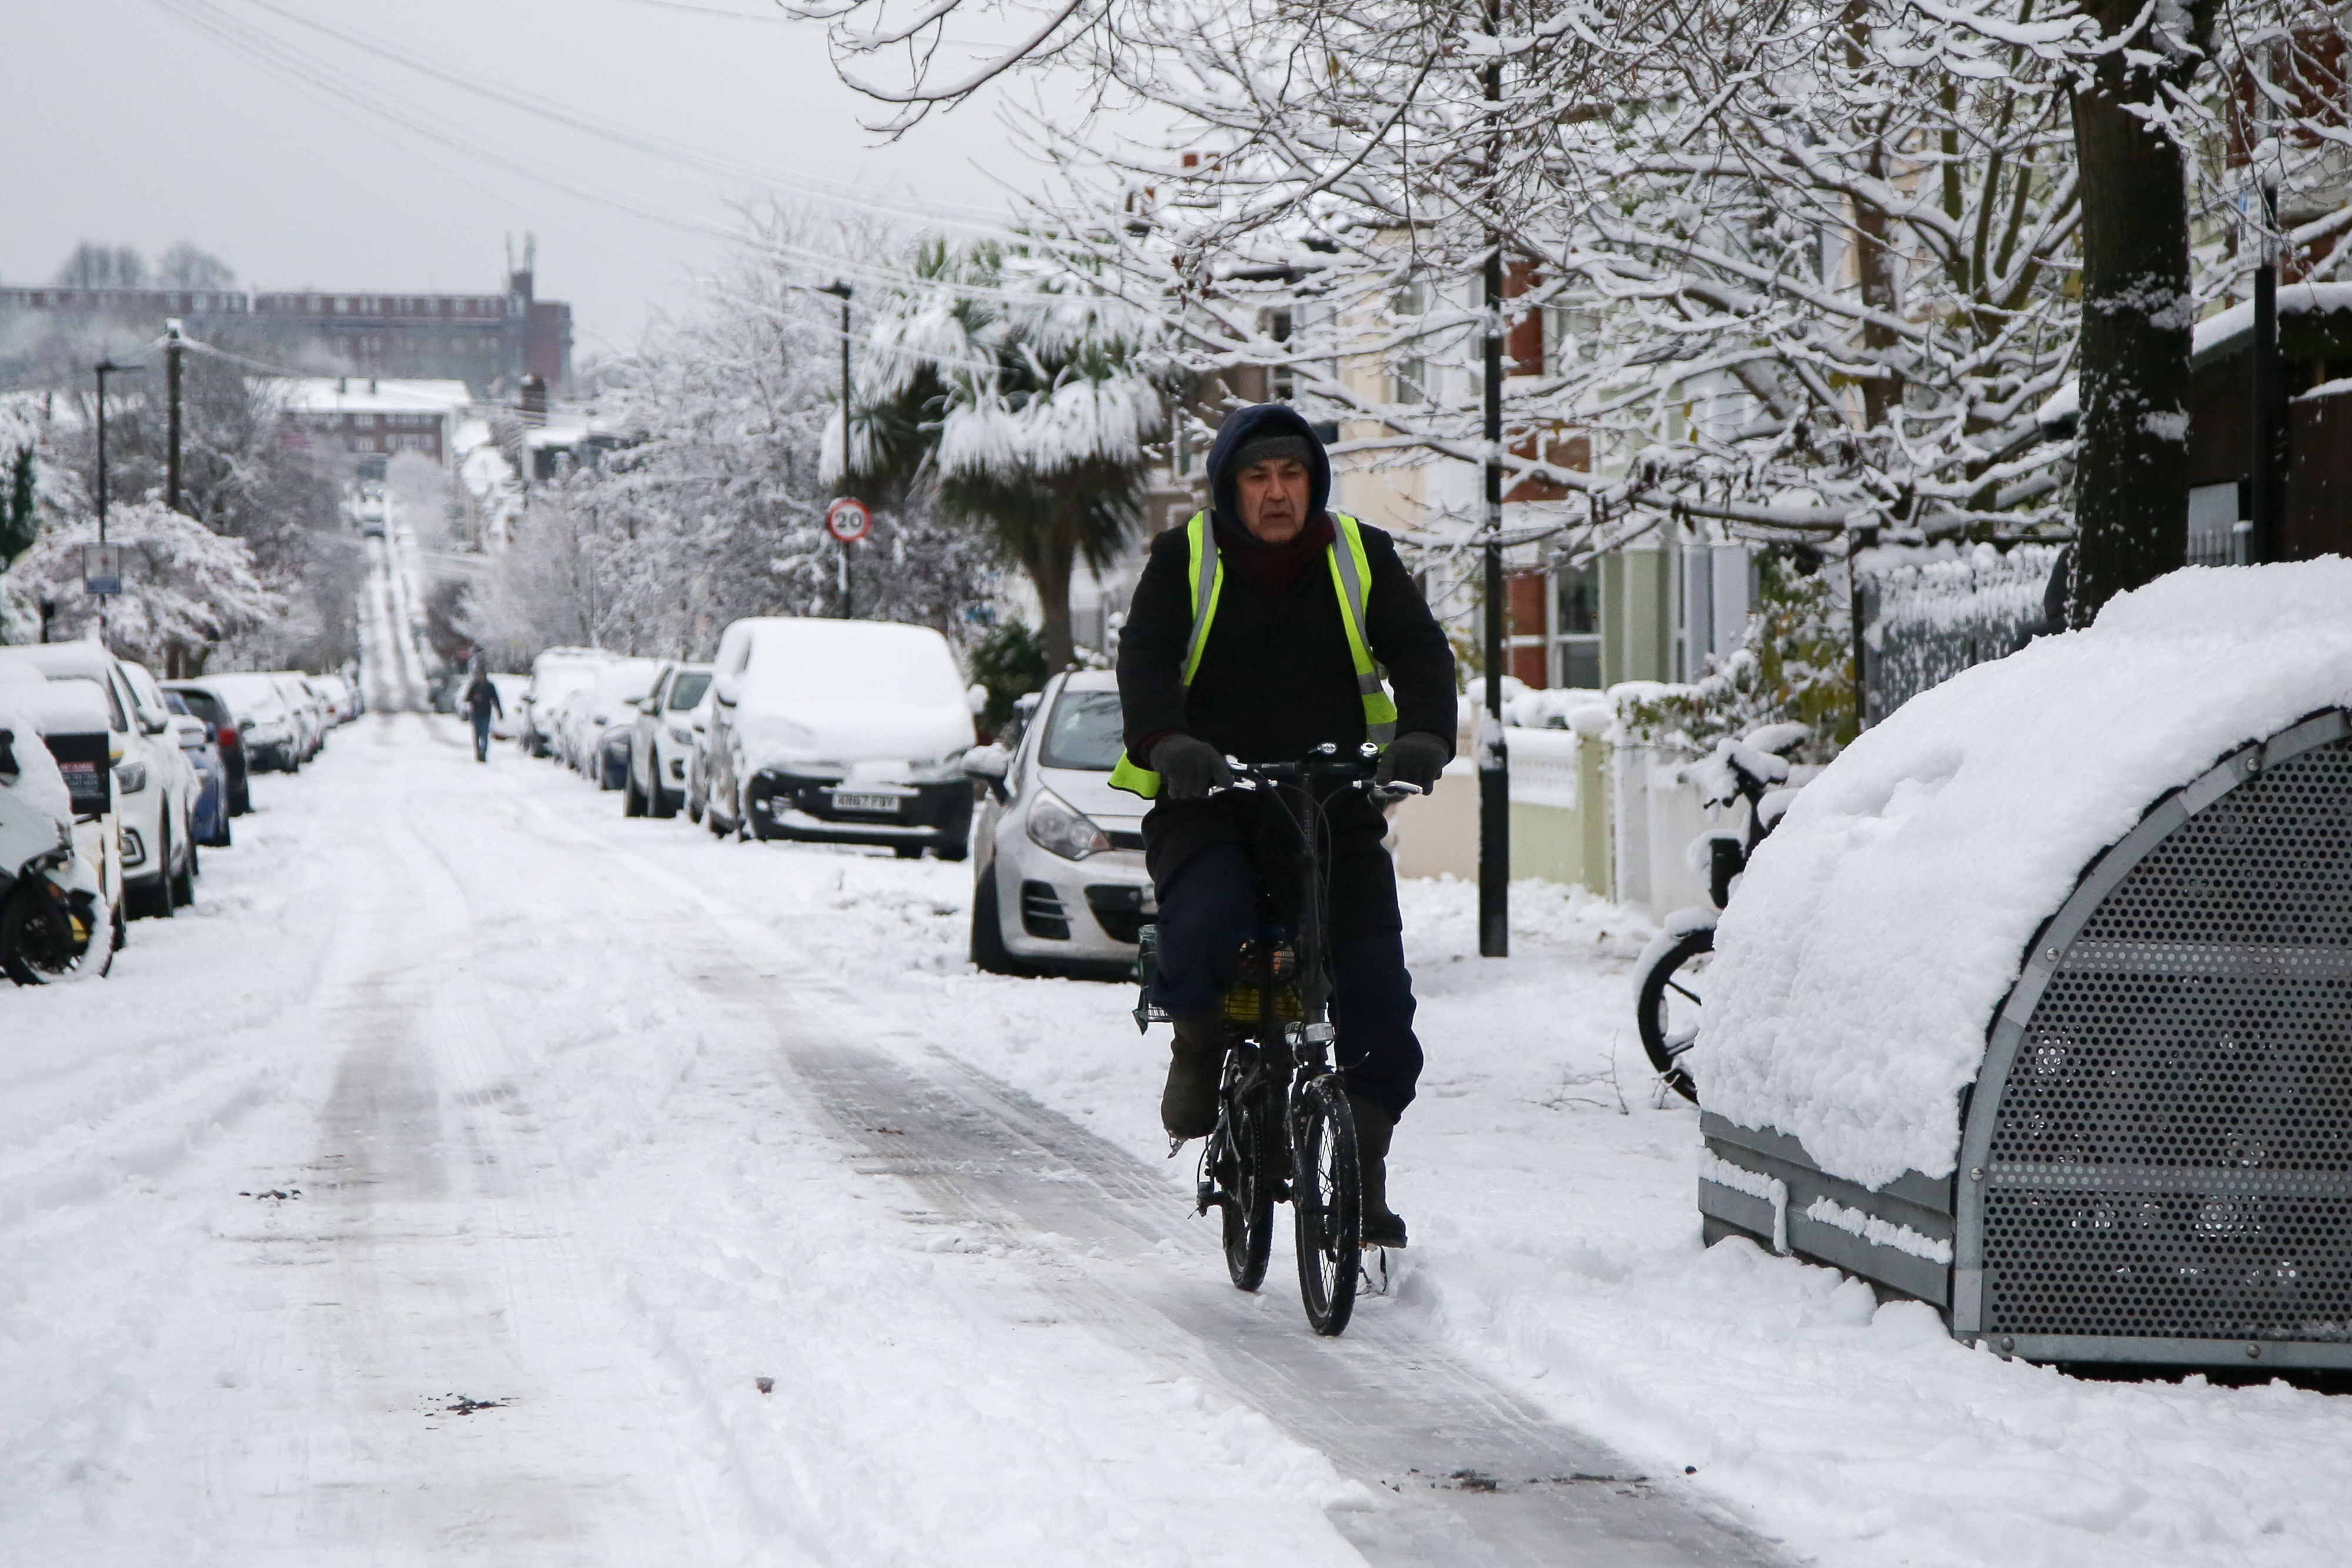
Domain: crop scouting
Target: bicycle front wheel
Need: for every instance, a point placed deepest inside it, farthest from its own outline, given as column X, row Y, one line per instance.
column 1242, row 1162
column 1327, row 1200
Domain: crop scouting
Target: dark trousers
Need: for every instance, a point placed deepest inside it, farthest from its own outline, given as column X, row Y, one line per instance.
column 481, row 734
column 1209, row 908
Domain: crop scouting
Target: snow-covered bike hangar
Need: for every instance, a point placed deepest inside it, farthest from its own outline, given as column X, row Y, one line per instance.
column 2150, row 1157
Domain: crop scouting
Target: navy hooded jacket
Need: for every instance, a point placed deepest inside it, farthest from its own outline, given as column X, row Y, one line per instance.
column 1275, row 679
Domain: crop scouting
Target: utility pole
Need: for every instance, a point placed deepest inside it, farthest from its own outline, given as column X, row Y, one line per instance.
column 173, row 337
column 2268, row 459
column 1494, row 758
column 843, row 289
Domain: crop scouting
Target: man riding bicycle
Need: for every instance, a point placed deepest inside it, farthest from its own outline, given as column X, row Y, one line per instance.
column 1258, row 632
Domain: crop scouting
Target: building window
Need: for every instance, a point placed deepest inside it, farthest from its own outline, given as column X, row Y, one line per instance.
column 1577, row 628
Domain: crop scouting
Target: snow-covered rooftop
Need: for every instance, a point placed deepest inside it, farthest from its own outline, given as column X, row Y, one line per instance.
column 362, row 394
column 1876, row 931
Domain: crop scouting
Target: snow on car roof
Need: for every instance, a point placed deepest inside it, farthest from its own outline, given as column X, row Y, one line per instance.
column 1859, row 966
column 853, row 662
column 65, row 658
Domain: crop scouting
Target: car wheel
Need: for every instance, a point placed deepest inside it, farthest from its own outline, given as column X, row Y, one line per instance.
column 183, row 886
column 907, row 851
column 633, row 804
column 952, row 849
column 987, row 949
column 152, row 900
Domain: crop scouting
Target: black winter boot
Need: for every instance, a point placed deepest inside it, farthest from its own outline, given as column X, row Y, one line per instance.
column 1188, row 1105
column 1375, row 1124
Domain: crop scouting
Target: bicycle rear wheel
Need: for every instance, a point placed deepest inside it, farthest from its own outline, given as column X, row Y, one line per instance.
column 1668, row 1011
column 1243, row 1164
column 1327, row 1199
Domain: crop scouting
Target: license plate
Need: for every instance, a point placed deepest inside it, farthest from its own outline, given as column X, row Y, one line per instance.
column 848, row 801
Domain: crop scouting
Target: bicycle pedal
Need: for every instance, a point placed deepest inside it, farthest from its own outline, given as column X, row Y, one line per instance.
column 1203, row 1195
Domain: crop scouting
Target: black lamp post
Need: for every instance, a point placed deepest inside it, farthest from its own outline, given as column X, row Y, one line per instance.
column 843, row 289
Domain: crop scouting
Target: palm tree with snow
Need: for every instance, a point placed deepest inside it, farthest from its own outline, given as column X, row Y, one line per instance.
column 1027, row 398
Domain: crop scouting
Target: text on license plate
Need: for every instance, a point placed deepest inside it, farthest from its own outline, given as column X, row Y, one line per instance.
column 851, row 801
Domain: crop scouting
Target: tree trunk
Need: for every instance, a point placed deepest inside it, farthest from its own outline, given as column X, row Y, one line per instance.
column 1049, row 572
column 2131, row 472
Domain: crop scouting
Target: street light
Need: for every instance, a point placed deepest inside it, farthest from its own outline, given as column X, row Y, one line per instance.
column 844, row 291
column 106, row 367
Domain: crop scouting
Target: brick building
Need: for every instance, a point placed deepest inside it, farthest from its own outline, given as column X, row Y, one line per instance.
column 490, row 342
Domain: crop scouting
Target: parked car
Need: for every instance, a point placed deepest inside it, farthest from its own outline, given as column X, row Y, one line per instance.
column 200, row 744
column 266, row 725
column 552, row 674
column 154, row 786
column 840, row 731
column 661, row 741
column 57, row 918
column 341, row 698
column 1058, row 883
column 601, row 723
column 208, row 698
column 310, row 713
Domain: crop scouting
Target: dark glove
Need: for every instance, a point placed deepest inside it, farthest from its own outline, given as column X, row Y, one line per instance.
column 1416, row 758
column 1188, row 768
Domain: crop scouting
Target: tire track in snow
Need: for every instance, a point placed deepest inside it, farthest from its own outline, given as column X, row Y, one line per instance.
column 1477, row 1475
column 1474, row 1475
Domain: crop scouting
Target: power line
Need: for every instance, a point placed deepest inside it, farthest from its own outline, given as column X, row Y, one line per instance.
column 681, row 152
column 320, row 78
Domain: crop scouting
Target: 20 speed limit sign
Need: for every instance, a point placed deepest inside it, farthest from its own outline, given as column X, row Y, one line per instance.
column 848, row 520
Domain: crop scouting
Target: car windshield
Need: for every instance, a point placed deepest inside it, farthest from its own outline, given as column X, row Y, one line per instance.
column 1084, row 733
column 687, row 689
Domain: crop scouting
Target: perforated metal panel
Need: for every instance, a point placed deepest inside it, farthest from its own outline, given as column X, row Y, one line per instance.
column 2172, row 1151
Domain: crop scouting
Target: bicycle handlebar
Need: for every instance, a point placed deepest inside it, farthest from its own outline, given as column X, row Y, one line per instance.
column 1326, row 763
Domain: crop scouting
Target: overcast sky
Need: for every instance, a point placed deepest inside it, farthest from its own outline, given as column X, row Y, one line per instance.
column 127, row 125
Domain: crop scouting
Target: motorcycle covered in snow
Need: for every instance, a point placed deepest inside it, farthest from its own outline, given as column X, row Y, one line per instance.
column 56, row 776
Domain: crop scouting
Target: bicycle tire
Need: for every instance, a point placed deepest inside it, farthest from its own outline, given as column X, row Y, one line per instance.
column 1243, row 1164
column 1326, row 1203
column 1664, row 1047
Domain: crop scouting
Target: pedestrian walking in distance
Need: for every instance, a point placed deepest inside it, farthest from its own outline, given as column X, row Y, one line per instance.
column 482, row 701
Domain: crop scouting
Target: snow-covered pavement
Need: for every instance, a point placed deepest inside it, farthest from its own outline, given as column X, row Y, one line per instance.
column 476, row 1176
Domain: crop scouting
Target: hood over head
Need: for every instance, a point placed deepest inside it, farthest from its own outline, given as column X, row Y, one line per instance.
column 1245, row 427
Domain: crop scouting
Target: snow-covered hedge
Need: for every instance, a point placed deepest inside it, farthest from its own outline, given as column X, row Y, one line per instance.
column 1857, row 972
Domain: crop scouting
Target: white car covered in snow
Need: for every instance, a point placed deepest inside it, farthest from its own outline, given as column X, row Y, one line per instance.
column 601, row 723
column 554, row 674
column 842, row 731
column 156, row 788
column 1058, row 884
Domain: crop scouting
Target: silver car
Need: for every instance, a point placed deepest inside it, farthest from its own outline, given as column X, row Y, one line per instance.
column 1058, row 878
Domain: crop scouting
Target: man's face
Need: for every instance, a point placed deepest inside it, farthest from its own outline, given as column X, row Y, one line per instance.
column 1273, row 498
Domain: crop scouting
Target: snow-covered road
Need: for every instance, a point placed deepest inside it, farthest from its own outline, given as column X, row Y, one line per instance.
column 476, row 1176
column 584, row 1125
column 443, row 1189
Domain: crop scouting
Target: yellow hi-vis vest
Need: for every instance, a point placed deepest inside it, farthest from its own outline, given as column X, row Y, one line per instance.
column 1350, row 571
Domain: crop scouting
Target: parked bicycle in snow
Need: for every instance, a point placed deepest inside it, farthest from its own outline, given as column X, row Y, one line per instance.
column 1669, row 980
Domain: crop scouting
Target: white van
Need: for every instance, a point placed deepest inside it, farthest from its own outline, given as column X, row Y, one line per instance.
column 843, row 731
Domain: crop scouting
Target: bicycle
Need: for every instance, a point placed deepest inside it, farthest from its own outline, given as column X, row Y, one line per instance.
column 1667, row 1009
column 1284, row 1132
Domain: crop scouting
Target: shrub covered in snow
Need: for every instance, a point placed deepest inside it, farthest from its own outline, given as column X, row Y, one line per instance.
column 1794, row 665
